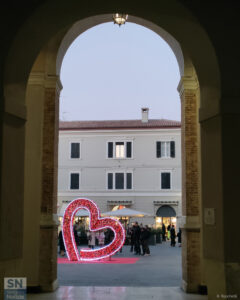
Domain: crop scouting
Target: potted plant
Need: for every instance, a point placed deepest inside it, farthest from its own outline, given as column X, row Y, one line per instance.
column 158, row 235
column 152, row 239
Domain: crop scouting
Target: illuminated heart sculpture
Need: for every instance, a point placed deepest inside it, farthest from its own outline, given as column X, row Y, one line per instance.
column 95, row 223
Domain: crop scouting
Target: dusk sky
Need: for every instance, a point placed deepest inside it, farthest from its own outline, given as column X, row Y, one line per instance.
column 110, row 72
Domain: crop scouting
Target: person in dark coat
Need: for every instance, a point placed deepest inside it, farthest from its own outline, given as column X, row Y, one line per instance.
column 179, row 236
column 136, row 237
column 61, row 243
column 75, row 234
column 144, row 237
column 109, row 236
column 130, row 233
column 172, row 236
column 163, row 232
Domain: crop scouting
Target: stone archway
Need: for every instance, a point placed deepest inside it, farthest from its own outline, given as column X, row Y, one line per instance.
column 42, row 83
column 45, row 75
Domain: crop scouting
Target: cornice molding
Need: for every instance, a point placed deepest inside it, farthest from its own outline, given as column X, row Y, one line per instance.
column 49, row 221
column 187, row 83
column 36, row 78
column 45, row 80
column 189, row 223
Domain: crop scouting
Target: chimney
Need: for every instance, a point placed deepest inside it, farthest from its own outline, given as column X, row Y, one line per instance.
column 145, row 111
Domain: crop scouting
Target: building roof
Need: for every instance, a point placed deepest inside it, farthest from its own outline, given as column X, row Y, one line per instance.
column 118, row 124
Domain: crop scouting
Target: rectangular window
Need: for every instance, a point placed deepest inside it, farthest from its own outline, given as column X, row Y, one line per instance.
column 129, row 181
column 110, row 181
column 172, row 149
column 119, row 181
column 119, row 150
column 129, row 149
column 165, row 180
column 74, row 181
column 165, row 149
column 75, row 150
column 158, row 149
column 110, row 149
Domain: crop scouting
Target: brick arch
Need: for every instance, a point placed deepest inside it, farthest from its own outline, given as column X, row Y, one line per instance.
column 44, row 74
column 83, row 25
column 173, row 21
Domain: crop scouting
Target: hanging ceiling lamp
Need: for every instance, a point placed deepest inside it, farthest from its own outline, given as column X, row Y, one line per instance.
column 120, row 19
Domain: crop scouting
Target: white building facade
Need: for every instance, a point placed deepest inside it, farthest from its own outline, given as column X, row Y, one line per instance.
column 131, row 163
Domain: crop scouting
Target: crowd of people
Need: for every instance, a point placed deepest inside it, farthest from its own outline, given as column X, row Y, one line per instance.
column 139, row 239
column 170, row 234
column 138, row 236
column 99, row 238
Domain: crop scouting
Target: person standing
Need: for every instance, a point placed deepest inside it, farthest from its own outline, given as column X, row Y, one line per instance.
column 75, row 227
column 130, row 233
column 173, row 236
column 168, row 231
column 109, row 236
column 137, row 233
column 145, row 235
column 163, row 233
column 100, row 236
column 61, row 243
column 179, row 236
column 91, row 239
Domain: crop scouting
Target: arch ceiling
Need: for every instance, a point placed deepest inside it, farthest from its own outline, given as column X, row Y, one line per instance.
column 60, row 20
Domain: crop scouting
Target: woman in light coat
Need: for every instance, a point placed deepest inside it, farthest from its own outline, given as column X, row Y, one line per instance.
column 100, row 236
column 91, row 235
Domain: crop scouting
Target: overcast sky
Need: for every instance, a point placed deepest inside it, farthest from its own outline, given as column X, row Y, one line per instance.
column 110, row 72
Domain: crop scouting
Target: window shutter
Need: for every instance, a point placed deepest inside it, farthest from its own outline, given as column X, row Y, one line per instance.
column 119, row 181
column 158, row 150
column 75, row 150
column 172, row 149
column 129, row 149
column 165, row 181
column 74, row 184
column 110, row 149
column 129, row 181
column 110, row 181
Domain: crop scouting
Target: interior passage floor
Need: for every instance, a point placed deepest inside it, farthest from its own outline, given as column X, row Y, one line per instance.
column 116, row 293
column 162, row 268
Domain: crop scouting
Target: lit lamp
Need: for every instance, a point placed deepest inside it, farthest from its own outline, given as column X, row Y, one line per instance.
column 120, row 19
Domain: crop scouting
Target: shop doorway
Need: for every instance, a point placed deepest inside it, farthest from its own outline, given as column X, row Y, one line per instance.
column 166, row 215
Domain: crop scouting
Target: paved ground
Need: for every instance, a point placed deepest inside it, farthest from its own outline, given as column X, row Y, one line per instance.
column 161, row 269
column 116, row 293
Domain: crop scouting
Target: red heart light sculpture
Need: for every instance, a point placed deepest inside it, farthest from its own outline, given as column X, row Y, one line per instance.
column 95, row 223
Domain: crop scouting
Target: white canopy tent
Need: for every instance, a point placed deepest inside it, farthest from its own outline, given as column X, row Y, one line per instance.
column 126, row 212
column 80, row 212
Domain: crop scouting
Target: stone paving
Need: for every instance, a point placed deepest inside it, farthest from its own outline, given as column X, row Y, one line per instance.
column 161, row 269
column 116, row 293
